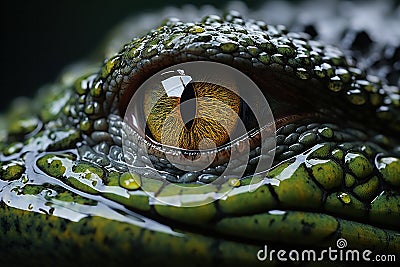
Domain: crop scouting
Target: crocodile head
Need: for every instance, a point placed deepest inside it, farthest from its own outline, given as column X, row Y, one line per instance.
column 68, row 193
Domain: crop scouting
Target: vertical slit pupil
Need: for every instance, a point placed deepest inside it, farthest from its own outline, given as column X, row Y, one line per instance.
column 188, row 112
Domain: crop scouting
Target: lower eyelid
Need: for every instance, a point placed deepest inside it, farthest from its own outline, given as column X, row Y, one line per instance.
column 220, row 156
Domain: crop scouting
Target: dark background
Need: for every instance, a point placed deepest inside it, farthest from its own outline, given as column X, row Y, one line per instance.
column 39, row 38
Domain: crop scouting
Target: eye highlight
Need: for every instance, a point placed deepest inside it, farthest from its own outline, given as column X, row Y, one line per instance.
column 200, row 115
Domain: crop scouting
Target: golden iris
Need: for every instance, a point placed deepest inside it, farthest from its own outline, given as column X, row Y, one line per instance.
column 216, row 112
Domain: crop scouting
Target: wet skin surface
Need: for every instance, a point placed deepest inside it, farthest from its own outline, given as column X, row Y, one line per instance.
column 67, row 194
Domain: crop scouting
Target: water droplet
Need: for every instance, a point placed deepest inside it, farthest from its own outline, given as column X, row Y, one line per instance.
column 235, row 182
column 345, row 198
column 277, row 212
column 196, row 29
column 130, row 181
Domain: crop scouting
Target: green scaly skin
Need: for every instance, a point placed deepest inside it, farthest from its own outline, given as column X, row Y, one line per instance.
column 67, row 196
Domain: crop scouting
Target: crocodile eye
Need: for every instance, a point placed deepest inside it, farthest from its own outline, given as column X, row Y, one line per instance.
column 196, row 115
column 197, row 106
column 191, row 115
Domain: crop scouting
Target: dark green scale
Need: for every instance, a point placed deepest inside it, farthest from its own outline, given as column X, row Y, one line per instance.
column 67, row 196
